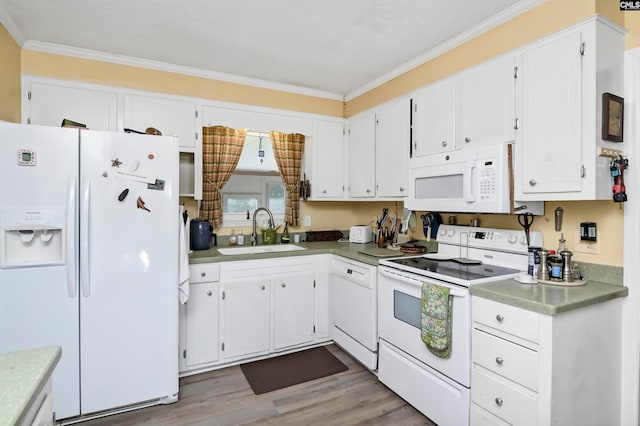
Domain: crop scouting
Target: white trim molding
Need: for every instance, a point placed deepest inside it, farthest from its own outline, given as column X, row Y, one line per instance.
column 630, row 395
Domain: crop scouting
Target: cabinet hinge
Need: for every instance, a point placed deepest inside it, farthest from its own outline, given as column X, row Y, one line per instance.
column 515, row 72
column 582, row 48
column 415, row 107
column 196, row 135
column 184, row 354
column 314, row 283
column 377, row 122
column 222, row 346
column 223, row 295
column 29, row 120
column 314, row 329
column 344, row 131
column 583, row 171
column 196, row 113
column 29, row 95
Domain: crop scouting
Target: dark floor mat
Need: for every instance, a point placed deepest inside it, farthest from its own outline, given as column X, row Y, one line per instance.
column 287, row 370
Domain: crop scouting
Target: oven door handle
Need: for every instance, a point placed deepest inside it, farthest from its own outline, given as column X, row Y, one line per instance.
column 452, row 291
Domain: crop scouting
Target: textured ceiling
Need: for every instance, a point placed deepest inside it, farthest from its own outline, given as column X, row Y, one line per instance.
column 339, row 47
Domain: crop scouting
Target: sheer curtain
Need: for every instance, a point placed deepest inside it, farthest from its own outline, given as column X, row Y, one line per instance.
column 288, row 150
column 221, row 149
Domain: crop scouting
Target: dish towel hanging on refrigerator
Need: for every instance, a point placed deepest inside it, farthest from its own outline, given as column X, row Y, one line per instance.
column 183, row 266
column 436, row 319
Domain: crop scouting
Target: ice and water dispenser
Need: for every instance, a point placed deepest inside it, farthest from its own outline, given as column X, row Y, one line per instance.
column 32, row 237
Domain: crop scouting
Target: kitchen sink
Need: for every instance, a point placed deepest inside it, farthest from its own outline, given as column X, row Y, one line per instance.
column 259, row 249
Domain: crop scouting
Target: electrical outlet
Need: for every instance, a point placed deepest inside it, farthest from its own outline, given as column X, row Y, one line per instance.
column 579, row 246
column 307, row 220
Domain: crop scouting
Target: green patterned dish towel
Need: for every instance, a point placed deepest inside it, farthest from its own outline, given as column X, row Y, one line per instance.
column 436, row 319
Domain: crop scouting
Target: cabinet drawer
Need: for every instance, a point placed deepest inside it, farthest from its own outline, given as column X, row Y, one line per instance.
column 514, row 405
column 509, row 319
column 506, row 358
column 204, row 272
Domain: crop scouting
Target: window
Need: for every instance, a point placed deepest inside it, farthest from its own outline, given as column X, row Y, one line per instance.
column 256, row 182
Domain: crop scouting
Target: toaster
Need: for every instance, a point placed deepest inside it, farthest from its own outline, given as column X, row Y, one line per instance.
column 360, row 234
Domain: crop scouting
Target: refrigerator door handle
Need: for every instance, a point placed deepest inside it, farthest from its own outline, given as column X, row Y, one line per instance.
column 84, row 234
column 71, row 249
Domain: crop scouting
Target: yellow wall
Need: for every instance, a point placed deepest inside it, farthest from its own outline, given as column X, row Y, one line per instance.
column 89, row 71
column 9, row 77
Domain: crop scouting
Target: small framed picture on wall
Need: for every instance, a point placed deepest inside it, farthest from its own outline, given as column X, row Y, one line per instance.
column 612, row 117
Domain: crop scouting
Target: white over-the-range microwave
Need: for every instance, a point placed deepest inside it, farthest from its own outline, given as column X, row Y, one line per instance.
column 467, row 181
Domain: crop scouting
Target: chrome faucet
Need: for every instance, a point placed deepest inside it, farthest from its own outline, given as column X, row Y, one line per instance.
column 254, row 236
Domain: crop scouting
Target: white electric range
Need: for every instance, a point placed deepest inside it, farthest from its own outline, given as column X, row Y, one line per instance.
column 440, row 387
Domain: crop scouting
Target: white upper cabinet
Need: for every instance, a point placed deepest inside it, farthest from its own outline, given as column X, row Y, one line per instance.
column 327, row 160
column 485, row 102
column 560, row 82
column 392, row 149
column 47, row 104
column 361, row 147
column 173, row 117
column 434, row 119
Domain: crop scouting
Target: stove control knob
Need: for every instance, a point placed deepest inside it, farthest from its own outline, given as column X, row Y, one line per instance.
column 523, row 240
column 512, row 239
column 443, row 232
column 451, row 233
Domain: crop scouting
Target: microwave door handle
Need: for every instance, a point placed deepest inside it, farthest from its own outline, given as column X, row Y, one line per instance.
column 469, row 176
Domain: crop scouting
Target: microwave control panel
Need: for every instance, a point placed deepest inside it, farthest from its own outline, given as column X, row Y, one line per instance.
column 488, row 180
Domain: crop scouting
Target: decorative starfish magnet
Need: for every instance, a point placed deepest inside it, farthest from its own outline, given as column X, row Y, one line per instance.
column 116, row 162
column 140, row 204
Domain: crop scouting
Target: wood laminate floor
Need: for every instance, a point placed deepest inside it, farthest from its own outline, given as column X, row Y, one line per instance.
column 223, row 397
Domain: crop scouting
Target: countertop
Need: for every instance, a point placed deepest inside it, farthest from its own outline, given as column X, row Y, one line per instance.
column 548, row 299
column 344, row 249
column 541, row 298
column 22, row 376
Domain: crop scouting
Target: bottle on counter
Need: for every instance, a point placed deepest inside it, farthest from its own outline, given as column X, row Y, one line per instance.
column 240, row 238
column 233, row 240
column 284, row 239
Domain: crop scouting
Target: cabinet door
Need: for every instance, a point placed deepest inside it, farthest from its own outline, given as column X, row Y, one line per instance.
column 434, row 119
column 246, row 317
column 392, row 149
column 548, row 149
column 49, row 104
column 201, row 324
column 485, row 103
column 292, row 310
column 328, row 159
column 362, row 139
column 172, row 117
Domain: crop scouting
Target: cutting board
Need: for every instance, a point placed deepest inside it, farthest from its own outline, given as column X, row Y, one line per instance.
column 381, row 252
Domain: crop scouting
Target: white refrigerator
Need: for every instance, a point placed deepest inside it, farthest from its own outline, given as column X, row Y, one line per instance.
column 89, row 261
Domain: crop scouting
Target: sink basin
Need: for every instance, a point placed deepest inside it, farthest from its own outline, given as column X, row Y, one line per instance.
column 259, row 249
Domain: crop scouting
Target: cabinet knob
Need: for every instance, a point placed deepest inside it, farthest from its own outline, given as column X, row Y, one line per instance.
column 498, row 401
column 209, row 293
column 499, row 317
column 368, row 191
column 532, row 182
column 202, row 274
column 324, row 191
column 283, row 285
column 262, row 287
column 444, row 143
column 499, row 360
column 402, row 189
column 467, row 139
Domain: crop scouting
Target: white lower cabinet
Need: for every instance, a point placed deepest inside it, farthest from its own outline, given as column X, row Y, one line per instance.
column 536, row 369
column 241, row 310
column 293, row 310
column 246, row 317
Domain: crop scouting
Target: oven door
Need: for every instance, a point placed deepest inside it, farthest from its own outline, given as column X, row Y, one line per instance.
column 399, row 321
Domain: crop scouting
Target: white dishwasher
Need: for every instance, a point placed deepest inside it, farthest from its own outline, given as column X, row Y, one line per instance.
column 354, row 297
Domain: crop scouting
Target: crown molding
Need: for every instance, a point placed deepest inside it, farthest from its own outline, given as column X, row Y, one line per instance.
column 59, row 49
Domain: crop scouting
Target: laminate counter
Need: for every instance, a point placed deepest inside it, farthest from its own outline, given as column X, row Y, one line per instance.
column 23, row 376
